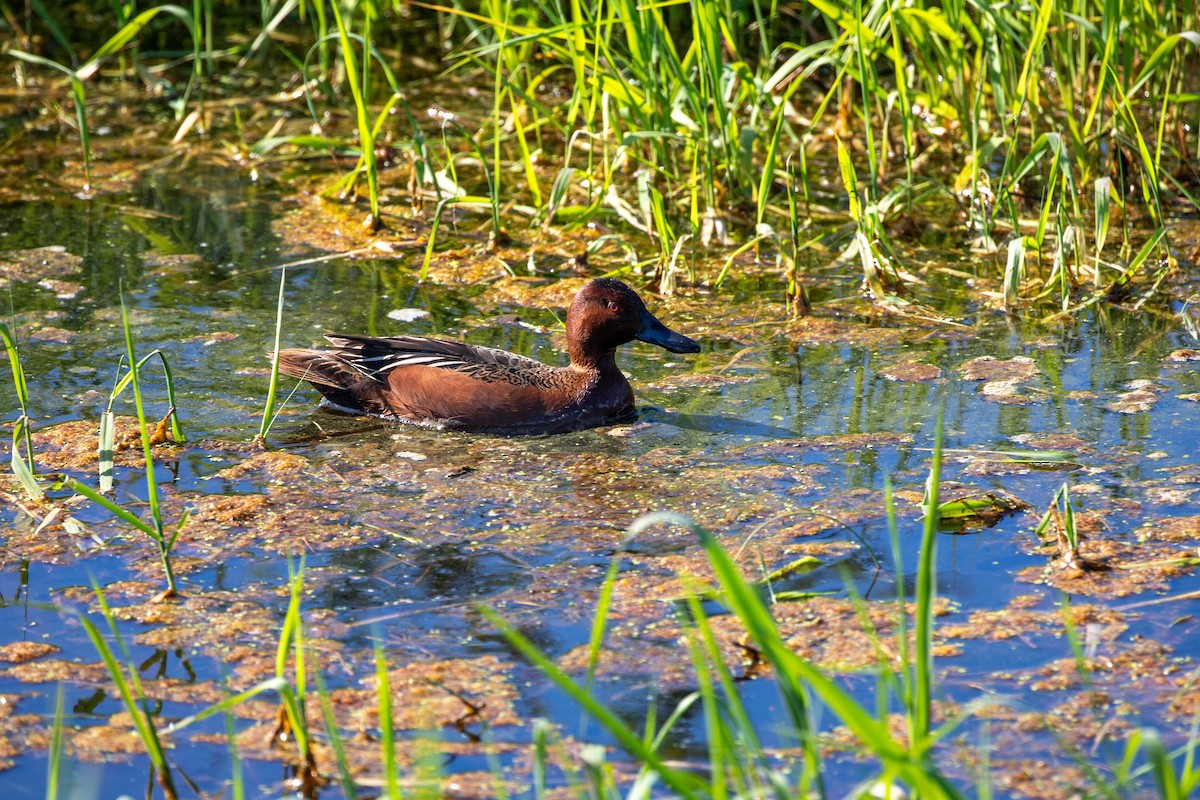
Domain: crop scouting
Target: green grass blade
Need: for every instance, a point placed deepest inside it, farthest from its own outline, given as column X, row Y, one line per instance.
column 20, row 468
column 387, row 730
column 227, row 704
column 129, row 689
column 682, row 783
column 113, row 508
column 54, row 764
column 600, row 618
column 1014, row 272
column 1161, row 766
column 268, row 416
column 237, row 781
column 922, row 700
column 134, row 372
column 127, row 34
column 334, row 739
column 176, row 426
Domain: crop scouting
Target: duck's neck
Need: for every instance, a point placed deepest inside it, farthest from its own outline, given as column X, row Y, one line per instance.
column 604, row 362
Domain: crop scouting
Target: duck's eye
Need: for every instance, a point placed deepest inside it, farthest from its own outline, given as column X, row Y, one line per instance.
column 613, row 307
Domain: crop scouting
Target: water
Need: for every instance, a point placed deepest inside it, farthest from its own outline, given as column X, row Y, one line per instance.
column 779, row 437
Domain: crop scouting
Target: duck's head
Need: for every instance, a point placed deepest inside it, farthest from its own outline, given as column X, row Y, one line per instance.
column 606, row 314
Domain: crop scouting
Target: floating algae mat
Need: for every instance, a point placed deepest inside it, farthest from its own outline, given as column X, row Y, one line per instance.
column 777, row 437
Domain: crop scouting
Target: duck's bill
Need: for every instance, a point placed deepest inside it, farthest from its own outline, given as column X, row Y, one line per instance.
column 654, row 332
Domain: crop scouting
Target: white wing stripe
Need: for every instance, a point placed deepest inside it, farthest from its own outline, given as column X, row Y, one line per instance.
column 431, row 361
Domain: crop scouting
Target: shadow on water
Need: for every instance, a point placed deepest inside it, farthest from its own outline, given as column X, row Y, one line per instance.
column 718, row 424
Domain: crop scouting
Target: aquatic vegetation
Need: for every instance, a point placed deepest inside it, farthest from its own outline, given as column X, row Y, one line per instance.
column 758, row 164
column 360, row 90
column 156, row 528
column 269, row 413
column 78, row 76
column 133, row 696
column 21, row 463
column 657, row 78
column 737, row 756
column 293, row 719
column 721, row 110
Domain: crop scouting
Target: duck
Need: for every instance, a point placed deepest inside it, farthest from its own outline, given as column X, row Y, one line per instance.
column 444, row 384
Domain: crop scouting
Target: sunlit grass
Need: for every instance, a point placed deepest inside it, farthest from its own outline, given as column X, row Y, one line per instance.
column 738, row 763
column 79, row 76
column 693, row 111
column 163, row 536
column 21, row 459
column 696, row 100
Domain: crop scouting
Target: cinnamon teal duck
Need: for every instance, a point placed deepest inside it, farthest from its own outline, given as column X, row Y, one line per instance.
column 445, row 384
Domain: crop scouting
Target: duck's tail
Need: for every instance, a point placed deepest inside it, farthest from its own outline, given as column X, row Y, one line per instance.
column 319, row 367
column 344, row 387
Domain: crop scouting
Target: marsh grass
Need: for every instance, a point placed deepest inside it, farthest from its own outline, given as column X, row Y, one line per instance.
column 78, row 77
column 358, row 70
column 129, row 687
column 696, row 97
column 54, row 762
column 709, row 100
column 293, row 719
column 360, row 91
column 739, row 763
column 155, row 528
column 269, row 412
column 107, row 435
column 21, row 463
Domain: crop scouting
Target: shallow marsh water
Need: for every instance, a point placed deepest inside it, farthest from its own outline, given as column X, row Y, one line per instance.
column 778, row 436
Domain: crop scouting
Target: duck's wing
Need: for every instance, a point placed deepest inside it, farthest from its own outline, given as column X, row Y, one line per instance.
column 375, row 357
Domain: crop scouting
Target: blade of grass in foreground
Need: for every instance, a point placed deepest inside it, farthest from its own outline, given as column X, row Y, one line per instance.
column 22, row 466
column 921, row 699
column 268, row 417
column 129, row 687
column 682, row 783
column 54, row 763
column 795, row 677
column 293, row 718
column 387, row 732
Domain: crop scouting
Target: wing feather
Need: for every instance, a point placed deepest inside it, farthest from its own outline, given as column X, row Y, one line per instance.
column 375, row 356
